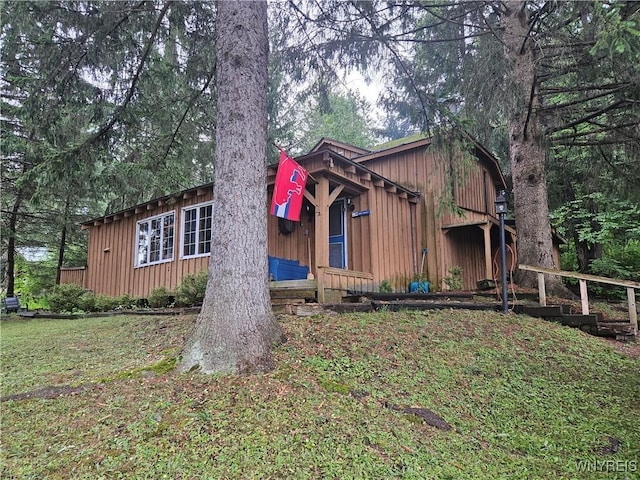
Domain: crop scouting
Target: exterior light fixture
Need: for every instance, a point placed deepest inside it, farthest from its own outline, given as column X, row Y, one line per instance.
column 501, row 203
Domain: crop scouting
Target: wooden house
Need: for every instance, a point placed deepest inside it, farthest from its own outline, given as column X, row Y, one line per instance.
column 368, row 217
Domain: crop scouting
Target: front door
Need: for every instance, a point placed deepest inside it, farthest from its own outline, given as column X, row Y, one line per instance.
column 337, row 235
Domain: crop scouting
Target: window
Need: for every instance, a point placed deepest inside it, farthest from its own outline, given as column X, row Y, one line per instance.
column 154, row 240
column 196, row 230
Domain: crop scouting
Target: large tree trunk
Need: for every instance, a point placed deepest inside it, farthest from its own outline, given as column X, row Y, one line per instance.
column 11, row 246
column 527, row 155
column 63, row 242
column 236, row 327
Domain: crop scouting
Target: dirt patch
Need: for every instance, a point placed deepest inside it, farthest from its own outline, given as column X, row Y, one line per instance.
column 51, row 392
column 631, row 349
column 427, row 416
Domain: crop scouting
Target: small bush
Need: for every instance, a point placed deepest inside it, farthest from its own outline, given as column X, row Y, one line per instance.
column 454, row 279
column 385, row 287
column 105, row 303
column 160, row 297
column 127, row 302
column 87, row 302
column 65, row 297
column 192, row 289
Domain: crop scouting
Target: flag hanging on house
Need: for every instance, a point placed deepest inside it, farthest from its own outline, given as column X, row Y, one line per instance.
column 288, row 191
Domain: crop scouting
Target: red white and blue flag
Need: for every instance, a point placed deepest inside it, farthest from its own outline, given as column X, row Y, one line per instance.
column 288, row 190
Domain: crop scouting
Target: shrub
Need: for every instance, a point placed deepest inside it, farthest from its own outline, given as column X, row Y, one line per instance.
column 87, row 302
column 385, row 287
column 105, row 303
column 454, row 279
column 160, row 297
column 65, row 297
column 192, row 289
column 127, row 302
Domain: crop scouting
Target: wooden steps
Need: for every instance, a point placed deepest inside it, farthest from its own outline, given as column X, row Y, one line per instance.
column 593, row 323
column 298, row 297
column 398, row 305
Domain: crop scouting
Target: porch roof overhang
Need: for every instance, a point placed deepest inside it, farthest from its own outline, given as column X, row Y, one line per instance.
column 479, row 223
column 352, row 175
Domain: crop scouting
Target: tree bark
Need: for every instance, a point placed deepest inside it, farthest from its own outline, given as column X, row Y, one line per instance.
column 63, row 241
column 236, row 328
column 11, row 245
column 527, row 154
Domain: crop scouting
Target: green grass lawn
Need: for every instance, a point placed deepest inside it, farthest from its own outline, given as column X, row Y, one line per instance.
column 525, row 399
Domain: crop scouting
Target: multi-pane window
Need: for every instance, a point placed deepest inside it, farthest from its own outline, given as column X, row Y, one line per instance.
column 154, row 239
column 196, row 230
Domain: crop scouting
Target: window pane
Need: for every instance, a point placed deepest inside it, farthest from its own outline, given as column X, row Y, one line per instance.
column 189, row 236
column 336, row 217
column 204, row 242
column 143, row 243
column 167, row 237
column 154, row 240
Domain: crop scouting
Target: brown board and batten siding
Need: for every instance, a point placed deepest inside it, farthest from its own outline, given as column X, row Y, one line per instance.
column 73, row 275
column 381, row 245
column 390, row 228
column 112, row 247
column 416, row 165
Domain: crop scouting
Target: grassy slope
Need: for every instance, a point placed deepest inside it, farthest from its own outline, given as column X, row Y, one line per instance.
column 527, row 399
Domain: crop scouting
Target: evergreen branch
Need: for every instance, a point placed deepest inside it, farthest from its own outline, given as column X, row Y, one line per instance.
column 582, row 100
column 399, row 61
column 192, row 101
column 587, row 133
column 555, row 90
column 93, row 139
column 597, row 113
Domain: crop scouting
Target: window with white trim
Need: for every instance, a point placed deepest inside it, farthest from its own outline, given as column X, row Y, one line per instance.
column 196, row 230
column 154, row 239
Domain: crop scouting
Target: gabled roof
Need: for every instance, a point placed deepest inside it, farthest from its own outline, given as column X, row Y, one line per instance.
column 337, row 146
column 423, row 141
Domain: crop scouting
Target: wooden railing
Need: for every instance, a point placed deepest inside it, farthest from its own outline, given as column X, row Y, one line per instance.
column 339, row 279
column 582, row 279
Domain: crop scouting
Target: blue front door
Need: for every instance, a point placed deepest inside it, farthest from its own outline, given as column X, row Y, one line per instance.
column 337, row 235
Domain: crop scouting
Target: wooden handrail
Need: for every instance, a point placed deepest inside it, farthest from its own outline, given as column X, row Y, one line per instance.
column 582, row 279
column 581, row 276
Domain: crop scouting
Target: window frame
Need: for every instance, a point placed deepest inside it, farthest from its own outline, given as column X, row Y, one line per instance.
column 163, row 237
column 183, row 218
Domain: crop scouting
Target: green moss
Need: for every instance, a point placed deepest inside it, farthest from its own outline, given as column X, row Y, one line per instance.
column 334, row 387
column 162, row 367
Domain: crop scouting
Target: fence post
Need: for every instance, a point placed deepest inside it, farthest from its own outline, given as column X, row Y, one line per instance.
column 633, row 313
column 542, row 291
column 584, row 297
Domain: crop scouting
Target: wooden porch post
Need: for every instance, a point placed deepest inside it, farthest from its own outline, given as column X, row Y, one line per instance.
column 488, row 271
column 322, row 232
